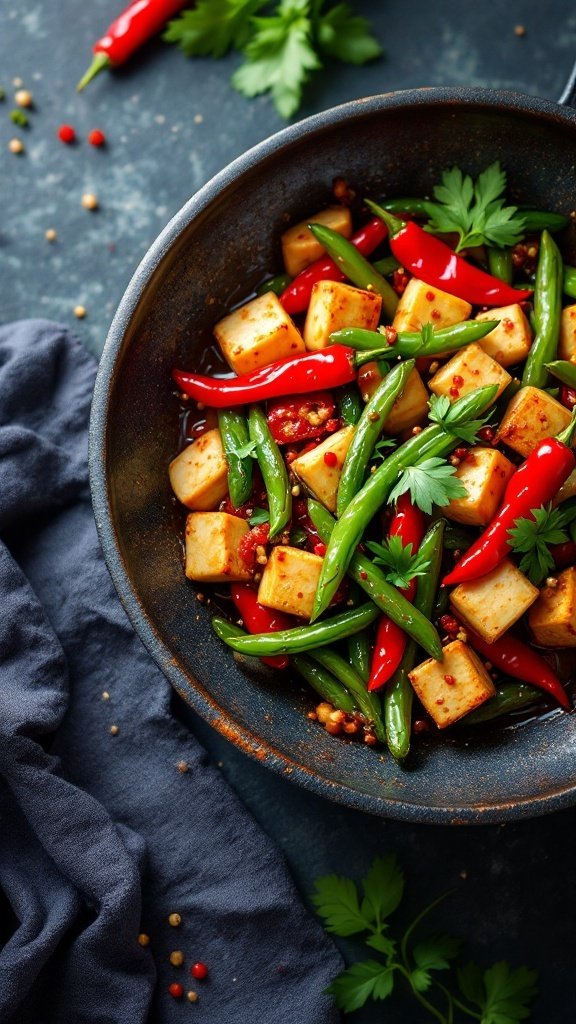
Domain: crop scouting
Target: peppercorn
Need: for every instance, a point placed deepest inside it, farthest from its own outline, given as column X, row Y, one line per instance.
column 114, row 730
column 199, row 971
column 50, row 235
column 176, row 990
column 143, row 939
column 182, row 767
column 192, row 997
column 96, row 137
column 176, row 958
column 174, row 920
column 16, row 146
column 105, row 695
column 80, row 312
column 89, row 201
column 66, row 134
column 23, row 97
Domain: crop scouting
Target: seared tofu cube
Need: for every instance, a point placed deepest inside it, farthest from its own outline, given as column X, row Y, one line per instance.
column 451, row 688
column 484, row 473
column 422, row 304
column 289, row 581
column 212, row 542
column 199, row 475
column 300, row 248
column 334, row 305
column 320, row 469
column 468, row 370
column 411, row 406
column 567, row 343
column 552, row 618
column 510, row 341
column 257, row 333
column 531, row 415
column 493, row 603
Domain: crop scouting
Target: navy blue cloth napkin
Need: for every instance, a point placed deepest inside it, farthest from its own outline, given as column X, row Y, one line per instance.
column 102, row 834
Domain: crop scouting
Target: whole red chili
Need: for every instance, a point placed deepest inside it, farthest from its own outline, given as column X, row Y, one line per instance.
column 259, row 619
column 176, row 990
column 66, row 134
column 296, row 297
column 297, row 419
column 141, row 20
column 199, row 971
column 533, row 484
column 435, row 263
column 330, row 367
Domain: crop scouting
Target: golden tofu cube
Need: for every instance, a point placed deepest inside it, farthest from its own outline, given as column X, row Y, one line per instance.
column 493, row 603
column 300, row 248
column 552, row 618
column 484, row 473
column 531, row 415
column 451, row 688
column 289, row 581
column 468, row 370
column 212, row 541
column 567, row 343
column 257, row 333
column 320, row 469
column 421, row 304
column 510, row 341
column 199, row 475
column 411, row 406
column 334, row 305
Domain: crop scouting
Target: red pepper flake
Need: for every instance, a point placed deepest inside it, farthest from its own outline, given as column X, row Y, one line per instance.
column 97, row 138
column 440, row 700
column 66, row 134
column 457, row 380
column 331, row 425
column 454, row 393
column 320, row 549
column 363, row 575
column 430, row 296
column 391, row 335
column 449, row 680
column 199, row 971
column 176, row 990
column 400, row 280
column 449, row 624
column 488, row 435
column 330, row 459
column 461, row 453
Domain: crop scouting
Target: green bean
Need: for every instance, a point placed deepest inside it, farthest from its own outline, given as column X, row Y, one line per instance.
column 409, row 343
column 355, row 266
column 347, row 533
column 510, row 696
column 234, row 433
column 407, row 204
column 301, row 638
column 399, row 693
column 547, row 312
column 368, row 430
column 386, row 266
column 359, row 653
column 324, row 683
column 500, row 263
column 273, row 469
column 543, row 220
column 373, row 582
column 569, row 282
column 350, row 405
column 564, row 371
column 274, row 284
column 367, row 703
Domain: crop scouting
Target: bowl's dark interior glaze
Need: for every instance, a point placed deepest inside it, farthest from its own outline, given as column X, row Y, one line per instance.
column 211, row 255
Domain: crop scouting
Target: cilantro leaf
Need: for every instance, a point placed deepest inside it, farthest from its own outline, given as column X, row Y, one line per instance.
column 245, row 451
column 383, row 886
column 362, row 981
column 432, row 954
column 427, row 334
column 259, row 516
column 383, row 444
column 442, row 412
column 430, row 483
column 213, row 27
column 531, row 536
column 346, row 36
column 502, row 994
column 402, row 566
column 471, row 983
column 336, row 900
column 476, row 211
column 382, row 944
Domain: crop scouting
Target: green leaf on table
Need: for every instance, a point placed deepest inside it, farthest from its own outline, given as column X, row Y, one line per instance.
column 432, row 954
column 336, row 900
column 365, row 980
column 346, row 36
column 382, row 944
column 502, row 994
column 383, row 885
column 213, row 27
column 430, row 483
column 401, row 566
column 475, row 211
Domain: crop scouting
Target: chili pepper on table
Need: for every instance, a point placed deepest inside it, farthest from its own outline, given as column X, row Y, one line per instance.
column 408, row 524
column 547, row 312
column 141, row 20
column 434, row 262
column 301, row 638
column 367, row 703
column 258, row 619
column 328, row 368
column 273, row 470
column 301, row 417
column 347, row 533
column 411, row 344
column 296, row 296
column 534, row 483
column 234, row 433
column 355, row 266
column 508, row 697
column 324, row 683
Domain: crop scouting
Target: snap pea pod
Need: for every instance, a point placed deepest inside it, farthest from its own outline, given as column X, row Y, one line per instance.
column 569, row 282
column 500, row 263
column 324, row 683
column 273, row 469
column 399, row 694
column 355, row 266
column 409, row 343
column 301, row 638
column 564, row 371
column 350, row 405
column 547, row 312
column 276, row 284
column 359, row 653
column 368, row 430
column 367, row 703
column 234, row 433
column 509, row 696
column 348, row 531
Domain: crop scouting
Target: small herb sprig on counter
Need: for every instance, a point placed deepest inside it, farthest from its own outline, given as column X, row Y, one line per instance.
column 498, row 995
column 475, row 210
column 282, row 44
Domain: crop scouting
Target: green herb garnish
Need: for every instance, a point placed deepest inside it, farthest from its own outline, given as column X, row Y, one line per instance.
column 531, row 537
column 432, row 482
column 400, row 564
column 475, row 211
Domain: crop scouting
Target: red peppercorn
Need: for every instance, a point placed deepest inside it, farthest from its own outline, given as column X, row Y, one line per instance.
column 97, row 138
column 461, row 453
column 449, row 680
column 176, row 990
column 454, row 393
column 449, row 624
column 457, row 380
column 199, row 971
column 66, row 134
column 488, row 435
column 330, row 459
column 320, row 549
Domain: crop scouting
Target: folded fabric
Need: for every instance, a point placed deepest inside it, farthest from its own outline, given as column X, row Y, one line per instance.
column 111, row 816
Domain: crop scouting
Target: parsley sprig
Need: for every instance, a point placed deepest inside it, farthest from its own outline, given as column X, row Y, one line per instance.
column 431, row 482
column 400, row 564
column 475, row 210
column 442, row 412
column 499, row 995
column 282, row 44
column 532, row 535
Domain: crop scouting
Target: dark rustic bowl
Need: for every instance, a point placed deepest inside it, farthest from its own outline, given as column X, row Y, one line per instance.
column 214, row 251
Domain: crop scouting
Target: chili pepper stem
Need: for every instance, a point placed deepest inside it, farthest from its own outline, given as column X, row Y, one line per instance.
column 567, row 435
column 100, row 63
column 394, row 224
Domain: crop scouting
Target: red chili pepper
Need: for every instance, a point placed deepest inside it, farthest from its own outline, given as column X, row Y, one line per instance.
column 435, row 263
column 299, row 418
column 141, row 20
column 517, row 659
column 259, row 619
column 533, row 484
column 296, row 297
column 300, row 374
column 407, row 523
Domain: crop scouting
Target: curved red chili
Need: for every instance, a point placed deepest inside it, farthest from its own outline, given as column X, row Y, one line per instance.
column 258, row 619
column 435, row 263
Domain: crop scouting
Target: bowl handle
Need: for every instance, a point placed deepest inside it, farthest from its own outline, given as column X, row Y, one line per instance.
column 568, row 97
